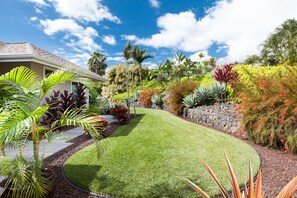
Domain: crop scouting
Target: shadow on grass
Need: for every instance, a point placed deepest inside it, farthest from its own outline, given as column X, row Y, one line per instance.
column 126, row 129
column 85, row 177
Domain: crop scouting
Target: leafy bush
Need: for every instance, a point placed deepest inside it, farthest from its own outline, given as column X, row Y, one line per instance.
column 145, row 97
column 107, row 106
column 54, row 111
column 67, row 101
column 205, row 80
column 158, row 100
column 80, row 96
column 120, row 113
column 268, row 105
column 190, row 101
column 226, row 75
column 120, row 97
column 177, row 92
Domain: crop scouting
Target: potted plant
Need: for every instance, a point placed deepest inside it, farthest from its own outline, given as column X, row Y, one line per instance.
column 20, row 116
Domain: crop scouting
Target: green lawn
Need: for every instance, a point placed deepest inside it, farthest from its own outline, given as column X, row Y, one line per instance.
column 149, row 156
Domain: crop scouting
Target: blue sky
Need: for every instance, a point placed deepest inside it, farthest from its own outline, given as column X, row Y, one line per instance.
column 73, row 29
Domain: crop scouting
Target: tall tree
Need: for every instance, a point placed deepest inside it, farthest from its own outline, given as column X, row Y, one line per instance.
column 179, row 65
column 160, row 73
column 127, row 54
column 189, row 67
column 97, row 63
column 281, row 46
column 139, row 56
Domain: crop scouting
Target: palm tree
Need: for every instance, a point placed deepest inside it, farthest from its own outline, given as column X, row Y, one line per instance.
column 179, row 65
column 168, row 69
column 190, row 67
column 97, row 63
column 139, row 56
column 159, row 72
column 127, row 54
column 281, row 46
column 20, row 118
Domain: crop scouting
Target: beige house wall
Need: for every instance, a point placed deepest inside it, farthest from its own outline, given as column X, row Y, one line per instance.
column 6, row 67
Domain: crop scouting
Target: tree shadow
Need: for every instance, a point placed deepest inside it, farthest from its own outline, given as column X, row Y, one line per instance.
column 125, row 130
column 86, row 176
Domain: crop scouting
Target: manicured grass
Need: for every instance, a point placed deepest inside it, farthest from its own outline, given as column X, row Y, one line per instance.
column 149, row 156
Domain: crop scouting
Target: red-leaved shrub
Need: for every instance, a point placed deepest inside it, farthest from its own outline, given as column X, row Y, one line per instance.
column 269, row 109
column 145, row 96
column 226, row 75
column 120, row 113
column 177, row 92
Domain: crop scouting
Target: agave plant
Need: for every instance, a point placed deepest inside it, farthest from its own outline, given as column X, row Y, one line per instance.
column 20, row 118
column 203, row 96
column 250, row 190
column 158, row 99
column 218, row 91
column 190, row 101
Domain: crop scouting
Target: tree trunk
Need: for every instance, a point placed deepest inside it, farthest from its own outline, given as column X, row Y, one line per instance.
column 127, row 88
column 140, row 77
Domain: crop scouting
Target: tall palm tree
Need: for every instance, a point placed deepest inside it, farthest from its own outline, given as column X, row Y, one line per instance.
column 160, row 72
column 190, row 67
column 97, row 63
column 139, row 56
column 169, row 69
column 179, row 64
column 127, row 54
column 20, row 118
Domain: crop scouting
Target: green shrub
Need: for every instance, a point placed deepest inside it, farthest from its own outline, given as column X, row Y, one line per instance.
column 120, row 97
column 177, row 92
column 268, row 105
column 205, row 80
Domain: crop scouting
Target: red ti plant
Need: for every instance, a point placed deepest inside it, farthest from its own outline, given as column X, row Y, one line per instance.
column 226, row 75
column 120, row 113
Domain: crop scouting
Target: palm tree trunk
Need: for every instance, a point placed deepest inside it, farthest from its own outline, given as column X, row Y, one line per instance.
column 140, row 77
column 127, row 88
column 35, row 139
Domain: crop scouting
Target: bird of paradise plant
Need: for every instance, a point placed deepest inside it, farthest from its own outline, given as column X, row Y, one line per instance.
column 20, row 118
column 250, row 190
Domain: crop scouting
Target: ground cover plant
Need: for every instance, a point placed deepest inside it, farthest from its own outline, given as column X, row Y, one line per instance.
column 150, row 156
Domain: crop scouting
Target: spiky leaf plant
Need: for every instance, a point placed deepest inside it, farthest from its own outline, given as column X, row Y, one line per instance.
column 218, row 91
column 190, row 101
column 203, row 96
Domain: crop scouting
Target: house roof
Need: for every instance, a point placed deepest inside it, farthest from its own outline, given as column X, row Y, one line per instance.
column 15, row 52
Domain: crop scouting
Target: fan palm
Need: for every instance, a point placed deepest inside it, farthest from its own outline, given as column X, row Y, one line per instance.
column 20, row 117
column 139, row 56
column 97, row 63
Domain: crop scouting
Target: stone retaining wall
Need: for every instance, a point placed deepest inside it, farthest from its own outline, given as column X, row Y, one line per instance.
column 220, row 115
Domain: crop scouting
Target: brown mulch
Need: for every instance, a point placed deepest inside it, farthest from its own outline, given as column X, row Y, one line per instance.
column 278, row 167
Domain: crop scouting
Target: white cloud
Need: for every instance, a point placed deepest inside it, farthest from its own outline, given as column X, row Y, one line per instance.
column 109, row 40
column 119, row 59
column 84, row 37
column 240, row 25
column 84, row 10
column 155, row 3
column 130, row 37
column 34, row 18
column 38, row 2
column 195, row 57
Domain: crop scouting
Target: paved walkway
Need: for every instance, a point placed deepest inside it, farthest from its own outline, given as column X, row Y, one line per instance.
column 55, row 146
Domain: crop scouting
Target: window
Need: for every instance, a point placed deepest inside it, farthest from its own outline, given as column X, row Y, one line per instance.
column 47, row 72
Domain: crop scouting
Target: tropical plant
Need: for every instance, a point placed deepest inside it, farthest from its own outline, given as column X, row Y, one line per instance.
column 97, row 63
column 20, row 118
column 179, row 66
column 203, row 96
column 67, row 101
column 80, row 96
column 159, row 72
column 139, row 56
column 268, row 106
column 145, row 97
column 250, row 190
column 254, row 59
column 158, row 99
column 120, row 113
column 107, row 106
column 226, row 75
column 177, row 92
column 281, row 46
column 218, row 91
column 190, row 101
column 128, row 54
column 189, row 67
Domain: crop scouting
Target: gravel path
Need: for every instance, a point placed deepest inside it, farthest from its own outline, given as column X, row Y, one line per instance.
column 278, row 167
